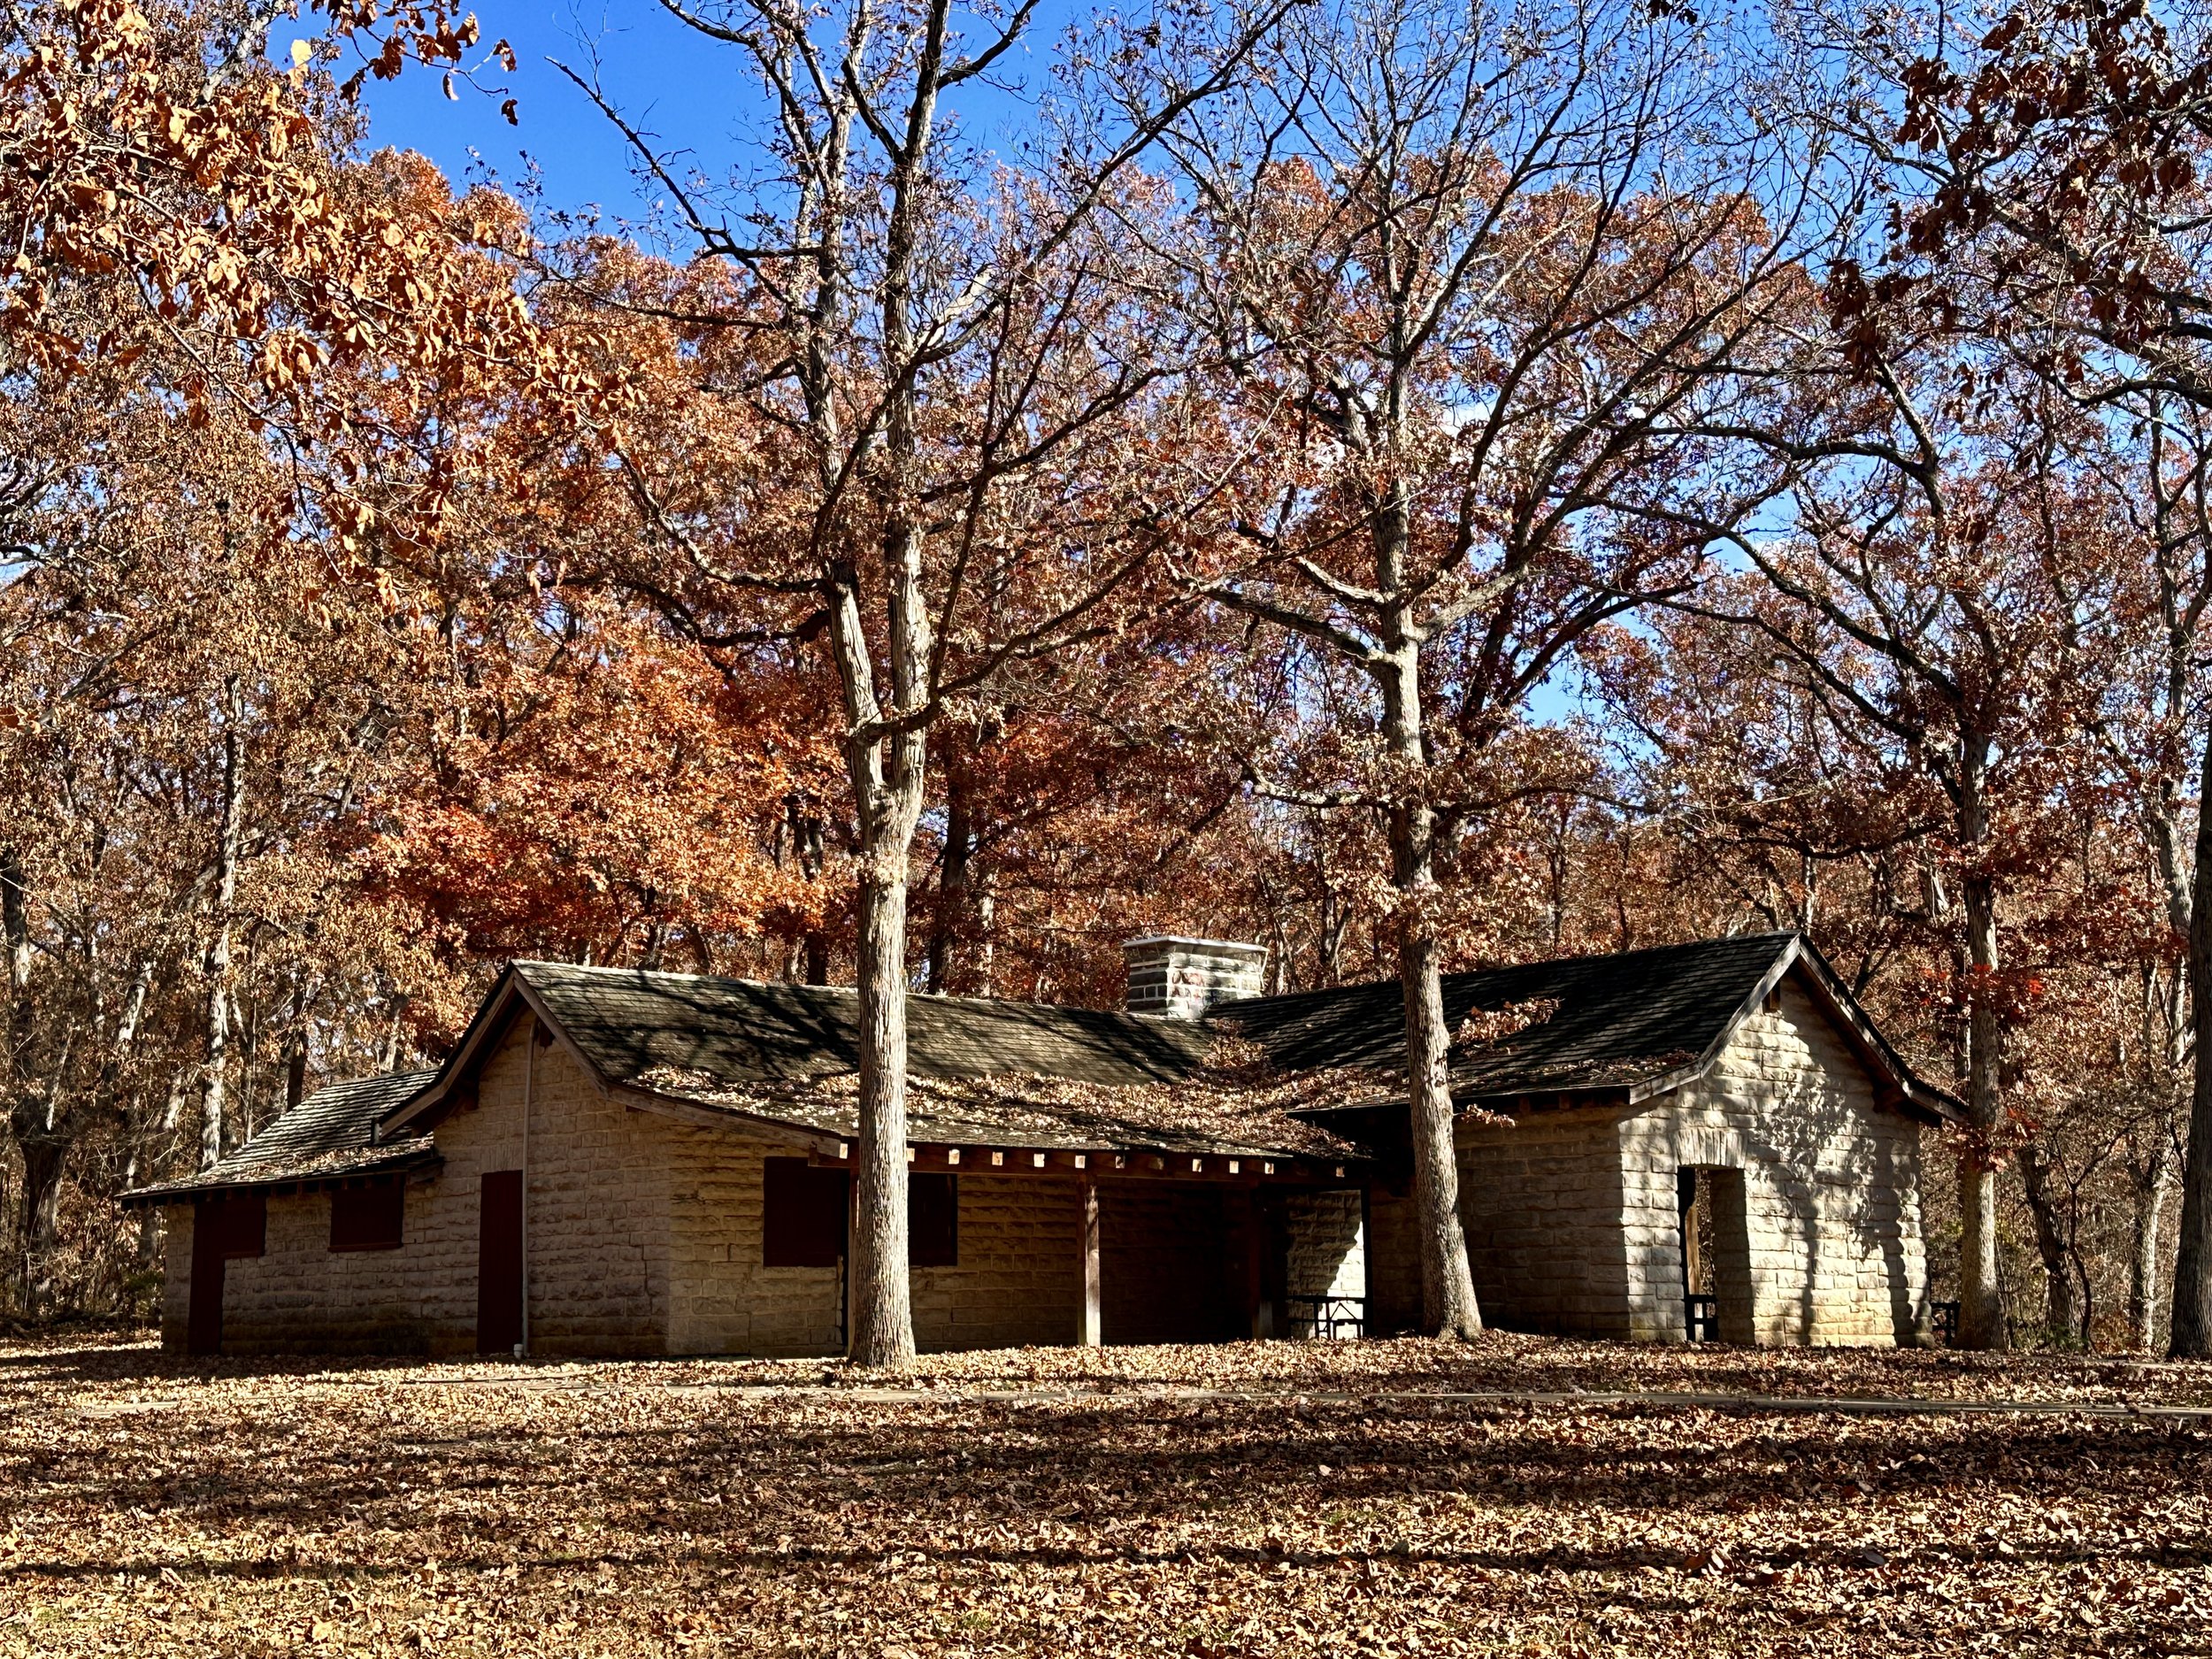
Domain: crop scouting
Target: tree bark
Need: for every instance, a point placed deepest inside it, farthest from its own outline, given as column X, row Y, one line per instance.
column 881, row 1314
column 1448, row 1305
column 1981, row 1303
column 213, row 1078
column 2192, row 1335
column 2062, row 1314
column 45, row 1153
column 952, row 885
column 2150, row 1208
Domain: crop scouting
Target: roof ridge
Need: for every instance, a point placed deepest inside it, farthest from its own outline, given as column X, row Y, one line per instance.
column 1777, row 935
column 844, row 990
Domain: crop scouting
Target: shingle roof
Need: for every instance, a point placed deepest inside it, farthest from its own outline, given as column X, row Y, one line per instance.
column 1024, row 1074
column 1621, row 1019
column 327, row 1136
column 628, row 1022
column 1636, row 1023
column 984, row 1072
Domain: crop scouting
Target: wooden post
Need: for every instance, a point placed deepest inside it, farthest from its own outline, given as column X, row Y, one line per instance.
column 1090, row 1337
column 1258, row 1323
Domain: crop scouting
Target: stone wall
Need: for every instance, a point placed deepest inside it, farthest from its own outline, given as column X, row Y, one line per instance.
column 176, row 1276
column 723, row 1300
column 298, row 1295
column 1180, row 979
column 1018, row 1281
column 1393, row 1261
column 1571, row 1214
column 596, row 1216
column 595, row 1212
column 1328, row 1249
column 1540, row 1202
column 1830, row 1187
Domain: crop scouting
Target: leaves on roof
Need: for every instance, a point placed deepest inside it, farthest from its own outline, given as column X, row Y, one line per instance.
column 1231, row 1103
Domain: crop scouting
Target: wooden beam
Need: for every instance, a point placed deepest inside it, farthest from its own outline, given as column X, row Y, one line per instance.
column 1089, row 1337
column 1192, row 1168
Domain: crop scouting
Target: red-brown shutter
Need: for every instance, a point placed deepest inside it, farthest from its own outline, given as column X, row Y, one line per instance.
column 803, row 1215
column 499, row 1262
column 235, row 1224
column 203, row 1318
column 367, row 1218
column 933, row 1220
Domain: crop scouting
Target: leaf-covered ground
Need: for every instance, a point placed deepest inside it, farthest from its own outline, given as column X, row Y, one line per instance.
column 1368, row 1498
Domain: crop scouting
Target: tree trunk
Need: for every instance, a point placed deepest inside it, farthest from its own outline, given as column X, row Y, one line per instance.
column 881, row 1317
column 214, row 1076
column 2062, row 1315
column 2192, row 1337
column 1981, row 1304
column 986, row 938
column 809, row 963
column 952, row 885
column 1448, row 1306
column 2150, row 1208
column 45, row 1153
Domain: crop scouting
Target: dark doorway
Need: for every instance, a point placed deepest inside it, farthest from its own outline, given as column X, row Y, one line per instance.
column 1717, row 1299
column 1693, row 1207
column 235, row 1224
column 205, row 1318
column 499, row 1264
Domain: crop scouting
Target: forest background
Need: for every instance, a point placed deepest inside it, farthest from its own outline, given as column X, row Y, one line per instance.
column 1416, row 486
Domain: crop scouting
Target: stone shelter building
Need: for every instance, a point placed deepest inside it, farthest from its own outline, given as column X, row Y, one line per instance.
column 1693, row 1141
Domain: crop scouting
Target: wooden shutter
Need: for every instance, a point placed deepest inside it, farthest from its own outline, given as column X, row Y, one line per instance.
column 499, row 1264
column 237, row 1222
column 367, row 1218
column 933, row 1220
column 204, row 1319
column 803, row 1215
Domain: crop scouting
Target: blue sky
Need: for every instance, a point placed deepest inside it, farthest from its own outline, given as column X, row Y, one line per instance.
column 690, row 92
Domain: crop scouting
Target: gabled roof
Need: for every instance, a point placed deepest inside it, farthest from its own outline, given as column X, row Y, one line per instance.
column 991, row 1073
column 983, row 1073
column 1629, row 1026
column 630, row 1023
column 328, row 1138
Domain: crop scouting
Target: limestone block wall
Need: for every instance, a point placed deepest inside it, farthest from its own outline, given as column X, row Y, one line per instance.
column 176, row 1276
column 595, row 1208
column 1540, row 1202
column 297, row 1295
column 1393, row 1261
column 1019, row 1280
column 1830, row 1187
column 1327, row 1239
column 597, row 1218
column 722, row 1299
column 1571, row 1217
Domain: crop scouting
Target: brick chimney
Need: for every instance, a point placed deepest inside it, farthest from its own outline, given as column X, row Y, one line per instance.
column 1180, row 979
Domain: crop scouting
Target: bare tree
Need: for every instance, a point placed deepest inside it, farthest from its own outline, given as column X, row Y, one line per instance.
column 1477, row 275
column 942, row 346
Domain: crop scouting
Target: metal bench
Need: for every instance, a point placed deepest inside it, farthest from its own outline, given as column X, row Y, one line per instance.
column 1701, row 1318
